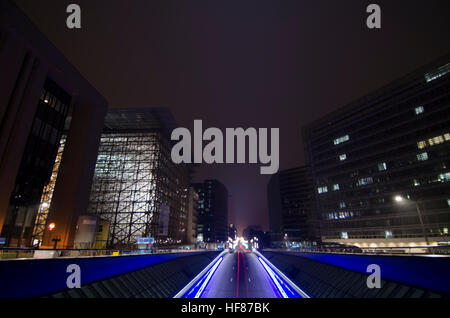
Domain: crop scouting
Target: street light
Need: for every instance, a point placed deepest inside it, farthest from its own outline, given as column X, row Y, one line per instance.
column 51, row 226
column 399, row 199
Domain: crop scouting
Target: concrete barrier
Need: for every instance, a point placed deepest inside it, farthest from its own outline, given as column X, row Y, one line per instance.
column 40, row 277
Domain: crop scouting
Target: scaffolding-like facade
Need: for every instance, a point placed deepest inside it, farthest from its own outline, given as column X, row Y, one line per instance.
column 135, row 179
column 46, row 199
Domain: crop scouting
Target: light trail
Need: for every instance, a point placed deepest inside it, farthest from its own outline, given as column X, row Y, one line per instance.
column 197, row 290
column 267, row 280
column 237, row 280
column 208, row 278
column 285, row 286
column 274, row 277
column 245, row 272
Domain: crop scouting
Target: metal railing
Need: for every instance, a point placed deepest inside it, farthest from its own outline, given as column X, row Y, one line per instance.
column 416, row 250
column 27, row 253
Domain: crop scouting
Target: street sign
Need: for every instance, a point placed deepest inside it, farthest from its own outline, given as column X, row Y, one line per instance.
column 145, row 240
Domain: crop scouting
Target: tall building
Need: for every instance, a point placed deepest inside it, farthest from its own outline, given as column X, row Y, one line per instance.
column 251, row 231
column 136, row 185
column 292, row 208
column 274, row 205
column 213, row 211
column 232, row 232
column 192, row 218
column 381, row 165
column 39, row 91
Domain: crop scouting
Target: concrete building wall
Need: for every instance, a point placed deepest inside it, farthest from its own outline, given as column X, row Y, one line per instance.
column 27, row 59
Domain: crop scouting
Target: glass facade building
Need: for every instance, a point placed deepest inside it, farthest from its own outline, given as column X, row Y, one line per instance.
column 212, row 224
column 36, row 167
column 388, row 146
column 136, row 186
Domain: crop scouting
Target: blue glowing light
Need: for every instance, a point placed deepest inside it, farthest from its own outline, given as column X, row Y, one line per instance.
column 197, row 290
column 282, row 287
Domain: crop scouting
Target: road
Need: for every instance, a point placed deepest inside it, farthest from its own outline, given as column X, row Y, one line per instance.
column 240, row 275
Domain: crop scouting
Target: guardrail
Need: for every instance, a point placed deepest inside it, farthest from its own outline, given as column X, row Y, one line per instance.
column 24, row 253
column 424, row 271
column 196, row 287
column 286, row 287
column 40, row 277
column 415, row 250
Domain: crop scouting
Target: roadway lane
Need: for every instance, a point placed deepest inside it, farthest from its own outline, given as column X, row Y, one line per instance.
column 240, row 275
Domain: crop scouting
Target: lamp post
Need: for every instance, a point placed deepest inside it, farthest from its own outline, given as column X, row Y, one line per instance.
column 400, row 199
column 55, row 240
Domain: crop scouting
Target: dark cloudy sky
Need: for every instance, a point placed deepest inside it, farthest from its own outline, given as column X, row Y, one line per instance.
column 244, row 63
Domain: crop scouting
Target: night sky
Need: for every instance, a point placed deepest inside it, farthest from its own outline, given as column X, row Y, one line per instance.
column 242, row 63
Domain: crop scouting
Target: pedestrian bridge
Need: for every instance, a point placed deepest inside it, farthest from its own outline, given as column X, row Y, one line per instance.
column 239, row 273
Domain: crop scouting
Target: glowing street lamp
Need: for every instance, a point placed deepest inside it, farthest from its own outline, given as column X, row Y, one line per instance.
column 400, row 199
column 51, row 226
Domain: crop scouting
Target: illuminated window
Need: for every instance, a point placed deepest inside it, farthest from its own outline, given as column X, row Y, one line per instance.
column 448, row 202
column 344, row 235
column 343, row 157
column 365, row 181
column 419, row 110
column 335, row 187
column 436, row 140
column 441, row 71
column 421, row 144
column 445, row 230
column 382, row 166
column 416, row 183
column 422, row 156
column 388, row 234
column 444, row 177
column 322, row 190
column 342, row 205
column 433, row 141
column 342, row 139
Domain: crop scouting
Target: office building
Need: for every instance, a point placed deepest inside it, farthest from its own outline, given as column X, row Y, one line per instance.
column 232, row 232
column 381, row 165
column 136, row 185
column 192, row 217
column 39, row 91
column 292, row 210
column 251, row 231
column 274, row 205
column 213, row 211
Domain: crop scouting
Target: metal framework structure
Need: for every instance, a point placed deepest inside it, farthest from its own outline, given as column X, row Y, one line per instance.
column 46, row 199
column 135, row 179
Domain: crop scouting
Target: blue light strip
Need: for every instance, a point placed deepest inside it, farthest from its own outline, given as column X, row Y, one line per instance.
column 282, row 287
column 274, row 278
column 197, row 290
